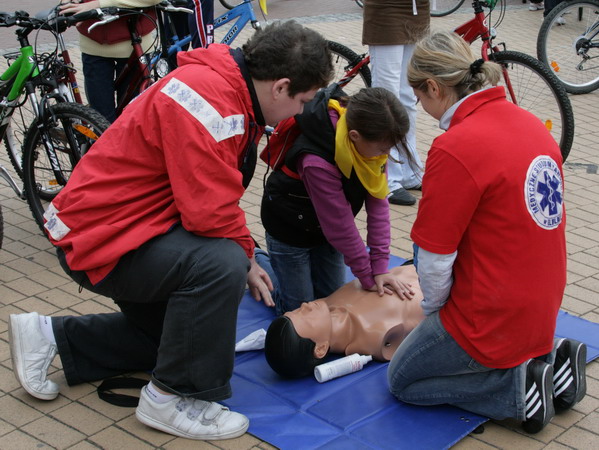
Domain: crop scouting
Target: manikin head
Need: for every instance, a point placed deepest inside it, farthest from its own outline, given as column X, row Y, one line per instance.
column 350, row 320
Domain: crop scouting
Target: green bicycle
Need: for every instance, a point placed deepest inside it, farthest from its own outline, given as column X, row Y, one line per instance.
column 60, row 132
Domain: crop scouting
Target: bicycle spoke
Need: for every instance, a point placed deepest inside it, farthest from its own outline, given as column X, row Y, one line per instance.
column 569, row 45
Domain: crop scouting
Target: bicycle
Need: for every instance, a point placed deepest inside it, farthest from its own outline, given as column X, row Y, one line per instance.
column 60, row 132
column 439, row 8
column 527, row 81
column 58, row 67
column 142, row 69
column 568, row 44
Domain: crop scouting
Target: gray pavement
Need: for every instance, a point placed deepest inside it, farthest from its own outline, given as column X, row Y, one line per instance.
column 32, row 280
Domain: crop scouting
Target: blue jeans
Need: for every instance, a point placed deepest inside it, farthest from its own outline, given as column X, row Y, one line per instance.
column 178, row 296
column 430, row 368
column 100, row 74
column 304, row 274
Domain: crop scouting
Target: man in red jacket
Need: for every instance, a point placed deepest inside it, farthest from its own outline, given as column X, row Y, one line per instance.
column 151, row 218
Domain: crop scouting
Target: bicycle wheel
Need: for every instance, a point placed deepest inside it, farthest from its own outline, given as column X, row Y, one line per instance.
column 344, row 60
column 568, row 43
column 440, row 8
column 229, row 4
column 16, row 130
column 538, row 91
column 72, row 129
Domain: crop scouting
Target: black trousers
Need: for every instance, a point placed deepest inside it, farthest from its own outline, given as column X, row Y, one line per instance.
column 178, row 295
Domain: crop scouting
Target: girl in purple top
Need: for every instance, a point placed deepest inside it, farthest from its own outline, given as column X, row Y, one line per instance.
column 336, row 166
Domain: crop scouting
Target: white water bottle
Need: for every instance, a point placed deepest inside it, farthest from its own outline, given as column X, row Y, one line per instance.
column 340, row 367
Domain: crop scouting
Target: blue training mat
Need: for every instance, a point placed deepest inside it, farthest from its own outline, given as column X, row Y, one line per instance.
column 355, row 411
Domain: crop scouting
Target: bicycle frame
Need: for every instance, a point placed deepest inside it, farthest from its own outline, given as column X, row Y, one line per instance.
column 477, row 27
column 72, row 80
column 244, row 13
column 19, row 72
column 136, row 73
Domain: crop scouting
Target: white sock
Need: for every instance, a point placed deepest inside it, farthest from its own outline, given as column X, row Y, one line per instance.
column 46, row 327
column 156, row 396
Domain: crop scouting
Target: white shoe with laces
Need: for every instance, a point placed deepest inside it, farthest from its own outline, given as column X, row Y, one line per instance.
column 191, row 418
column 31, row 355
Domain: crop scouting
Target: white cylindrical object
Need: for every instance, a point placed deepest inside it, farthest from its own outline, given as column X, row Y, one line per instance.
column 340, row 367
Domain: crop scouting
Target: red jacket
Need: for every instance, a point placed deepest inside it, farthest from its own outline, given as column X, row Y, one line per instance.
column 173, row 156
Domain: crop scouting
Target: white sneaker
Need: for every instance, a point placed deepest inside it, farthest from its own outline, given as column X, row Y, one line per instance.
column 191, row 418
column 31, row 355
column 536, row 7
column 560, row 21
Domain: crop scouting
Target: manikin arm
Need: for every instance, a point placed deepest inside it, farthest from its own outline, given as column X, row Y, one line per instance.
column 435, row 275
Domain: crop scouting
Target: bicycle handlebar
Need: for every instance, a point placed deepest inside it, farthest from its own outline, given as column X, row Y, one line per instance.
column 59, row 23
column 52, row 22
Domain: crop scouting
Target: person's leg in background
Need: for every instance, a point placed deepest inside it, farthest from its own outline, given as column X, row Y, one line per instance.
column 388, row 64
column 201, row 23
column 100, row 73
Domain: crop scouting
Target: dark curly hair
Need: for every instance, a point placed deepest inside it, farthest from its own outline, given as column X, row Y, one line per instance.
column 289, row 50
column 287, row 353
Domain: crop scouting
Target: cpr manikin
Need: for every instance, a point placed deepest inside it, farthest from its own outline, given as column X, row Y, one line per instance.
column 351, row 320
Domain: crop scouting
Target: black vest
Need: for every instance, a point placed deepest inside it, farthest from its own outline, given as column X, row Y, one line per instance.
column 287, row 212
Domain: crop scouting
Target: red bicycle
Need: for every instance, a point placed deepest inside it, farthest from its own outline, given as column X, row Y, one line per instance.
column 527, row 81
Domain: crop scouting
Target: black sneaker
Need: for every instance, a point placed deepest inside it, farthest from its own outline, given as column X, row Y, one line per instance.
column 539, row 396
column 569, row 374
column 402, row 197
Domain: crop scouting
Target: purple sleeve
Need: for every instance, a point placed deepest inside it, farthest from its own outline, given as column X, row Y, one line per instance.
column 323, row 184
column 379, row 233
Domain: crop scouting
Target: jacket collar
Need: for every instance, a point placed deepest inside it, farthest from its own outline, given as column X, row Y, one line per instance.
column 474, row 101
column 237, row 55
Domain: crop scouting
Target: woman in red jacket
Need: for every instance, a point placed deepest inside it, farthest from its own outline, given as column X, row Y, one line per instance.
column 490, row 247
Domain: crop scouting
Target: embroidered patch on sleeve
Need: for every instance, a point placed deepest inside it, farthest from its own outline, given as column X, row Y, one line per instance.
column 54, row 225
column 544, row 192
column 218, row 126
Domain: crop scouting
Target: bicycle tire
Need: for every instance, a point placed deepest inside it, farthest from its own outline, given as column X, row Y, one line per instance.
column 344, row 59
column 74, row 128
column 557, row 45
column 228, row 5
column 539, row 92
column 16, row 130
column 444, row 7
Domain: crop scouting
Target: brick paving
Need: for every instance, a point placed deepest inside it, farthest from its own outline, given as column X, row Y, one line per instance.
column 32, row 280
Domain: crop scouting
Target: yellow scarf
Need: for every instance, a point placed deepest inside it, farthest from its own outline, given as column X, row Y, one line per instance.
column 370, row 171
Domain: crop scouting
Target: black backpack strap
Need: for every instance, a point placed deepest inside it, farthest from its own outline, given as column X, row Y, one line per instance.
column 127, row 401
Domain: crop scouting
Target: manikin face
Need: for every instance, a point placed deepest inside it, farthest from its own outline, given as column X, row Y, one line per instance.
column 312, row 321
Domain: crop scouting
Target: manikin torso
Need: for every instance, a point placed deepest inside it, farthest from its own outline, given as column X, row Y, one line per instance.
column 362, row 322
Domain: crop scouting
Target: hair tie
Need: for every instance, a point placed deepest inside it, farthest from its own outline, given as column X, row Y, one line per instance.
column 475, row 66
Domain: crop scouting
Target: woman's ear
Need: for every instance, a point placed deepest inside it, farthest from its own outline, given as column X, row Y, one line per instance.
column 321, row 350
column 434, row 89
